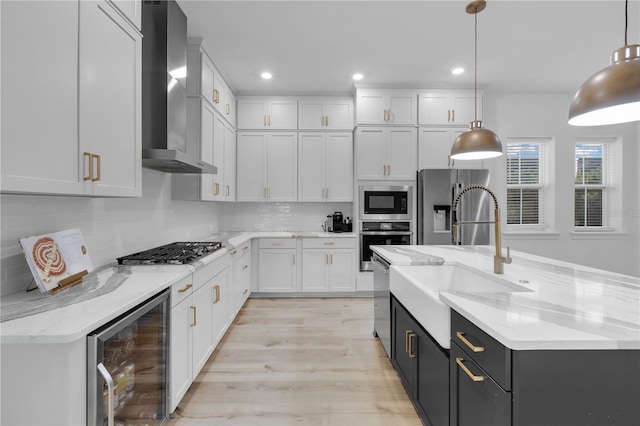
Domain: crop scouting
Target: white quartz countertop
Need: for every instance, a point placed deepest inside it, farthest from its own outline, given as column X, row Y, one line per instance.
column 568, row 306
column 108, row 292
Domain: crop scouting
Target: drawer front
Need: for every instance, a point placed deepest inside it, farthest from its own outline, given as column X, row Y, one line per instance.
column 204, row 274
column 240, row 250
column 328, row 243
column 181, row 290
column 275, row 243
column 486, row 351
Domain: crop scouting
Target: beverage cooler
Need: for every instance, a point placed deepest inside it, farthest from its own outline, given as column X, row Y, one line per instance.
column 127, row 371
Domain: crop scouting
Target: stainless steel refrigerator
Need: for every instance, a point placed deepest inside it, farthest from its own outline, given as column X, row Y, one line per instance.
column 437, row 188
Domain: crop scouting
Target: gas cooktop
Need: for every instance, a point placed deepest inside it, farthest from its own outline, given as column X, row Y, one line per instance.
column 178, row 253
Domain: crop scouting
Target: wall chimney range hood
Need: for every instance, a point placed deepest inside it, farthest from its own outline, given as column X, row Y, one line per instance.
column 164, row 91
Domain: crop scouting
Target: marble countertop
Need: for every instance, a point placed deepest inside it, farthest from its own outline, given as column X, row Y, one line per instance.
column 568, row 306
column 108, row 292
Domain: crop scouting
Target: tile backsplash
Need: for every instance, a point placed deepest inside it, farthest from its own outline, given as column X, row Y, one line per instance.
column 114, row 227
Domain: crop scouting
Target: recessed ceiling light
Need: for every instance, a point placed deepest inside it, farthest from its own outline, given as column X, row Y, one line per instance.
column 266, row 75
column 358, row 76
column 457, row 71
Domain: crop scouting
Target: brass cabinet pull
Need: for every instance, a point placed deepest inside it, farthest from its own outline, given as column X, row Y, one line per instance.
column 269, row 119
column 326, row 258
column 245, row 248
column 264, row 120
column 245, row 266
column 384, row 173
column 277, row 243
column 228, row 189
column 294, row 259
column 388, row 169
column 245, row 291
column 98, row 164
column 411, row 335
column 406, row 340
column 227, row 109
column 473, row 377
column 216, row 96
column 329, row 243
column 216, row 288
column 331, row 258
column 448, row 116
column 217, row 191
column 464, row 340
column 195, row 316
column 326, row 120
column 187, row 287
column 453, row 115
column 234, row 252
column 327, row 193
column 88, row 155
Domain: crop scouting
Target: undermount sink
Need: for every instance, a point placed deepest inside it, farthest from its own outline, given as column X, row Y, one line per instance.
column 418, row 289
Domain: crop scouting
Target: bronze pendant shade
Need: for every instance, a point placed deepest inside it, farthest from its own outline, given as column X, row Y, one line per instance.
column 476, row 143
column 612, row 95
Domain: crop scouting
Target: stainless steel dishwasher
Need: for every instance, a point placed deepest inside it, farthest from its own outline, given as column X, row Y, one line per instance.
column 381, row 302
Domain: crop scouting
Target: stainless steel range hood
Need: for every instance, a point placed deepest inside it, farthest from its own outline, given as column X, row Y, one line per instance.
column 164, row 91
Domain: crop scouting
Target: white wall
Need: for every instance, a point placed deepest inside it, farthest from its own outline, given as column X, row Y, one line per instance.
column 530, row 115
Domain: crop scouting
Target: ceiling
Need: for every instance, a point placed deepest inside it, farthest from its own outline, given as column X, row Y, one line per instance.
column 314, row 47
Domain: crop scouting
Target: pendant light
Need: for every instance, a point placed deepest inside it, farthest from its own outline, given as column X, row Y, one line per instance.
column 478, row 142
column 612, row 95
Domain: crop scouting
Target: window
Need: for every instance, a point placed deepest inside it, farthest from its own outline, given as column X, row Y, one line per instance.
column 526, row 183
column 591, row 183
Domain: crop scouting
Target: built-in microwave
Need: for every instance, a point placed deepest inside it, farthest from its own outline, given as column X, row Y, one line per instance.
column 386, row 203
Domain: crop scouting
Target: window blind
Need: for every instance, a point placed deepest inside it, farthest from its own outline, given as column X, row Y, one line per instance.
column 525, row 182
column 590, row 184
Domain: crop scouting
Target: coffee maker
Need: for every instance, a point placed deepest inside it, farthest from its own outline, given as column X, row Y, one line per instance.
column 337, row 222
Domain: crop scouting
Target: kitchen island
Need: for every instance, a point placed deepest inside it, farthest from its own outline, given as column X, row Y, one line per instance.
column 552, row 343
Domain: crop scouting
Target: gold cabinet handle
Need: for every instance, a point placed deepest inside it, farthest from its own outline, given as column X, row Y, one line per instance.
column 384, row 173
column 227, row 109
column 98, row 176
column 245, row 248
column 187, row 287
column 327, row 193
column 294, row 259
column 264, row 120
column 329, row 243
column 228, row 189
column 234, row 252
column 326, row 258
column 464, row 340
column 245, row 266
column 326, row 120
column 217, row 191
column 473, row 377
column 453, row 115
column 216, row 288
column 385, row 115
column 195, row 316
column 388, row 169
column 88, row 155
column 269, row 119
column 277, row 243
column 245, row 291
column 406, row 340
column 216, row 96
column 411, row 335
column 448, row 116
column 331, row 259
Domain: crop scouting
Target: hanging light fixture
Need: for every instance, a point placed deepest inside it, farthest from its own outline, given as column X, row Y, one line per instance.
column 478, row 142
column 612, row 95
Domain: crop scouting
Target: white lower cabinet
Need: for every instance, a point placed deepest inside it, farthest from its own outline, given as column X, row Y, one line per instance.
column 277, row 265
column 199, row 318
column 328, row 264
column 241, row 287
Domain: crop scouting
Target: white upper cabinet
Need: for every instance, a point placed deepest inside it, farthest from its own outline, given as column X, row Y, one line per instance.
column 325, row 164
column 266, row 166
column 229, row 171
column 325, row 114
column 448, row 107
column 265, row 113
column 131, row 9
column 110, row 99
column 386, row 153
column 83, row 135
column 434, row 149
column 376, row 106
column 230, row 108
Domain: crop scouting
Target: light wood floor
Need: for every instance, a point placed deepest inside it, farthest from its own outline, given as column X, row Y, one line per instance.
column 299, row 361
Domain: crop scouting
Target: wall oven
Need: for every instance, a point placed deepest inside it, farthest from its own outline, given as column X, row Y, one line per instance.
column 380, row 233
column 386, row 203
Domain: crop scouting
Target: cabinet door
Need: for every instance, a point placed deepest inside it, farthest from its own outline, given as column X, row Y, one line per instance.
column 282, row 166
column 40, row 146
column 221, row 304
column 311, row 160
column 342, row 266
column 132, row 9
column 463, row 107
column 315, row 264
column 434, row 109
column 338, row 167
column 472, row 402
column 219, row 93
column 251, row 163
column 434, row 149
column 205, row 142
column 110, row 98
column 404, row 347
column 207, row 78
column 432, row 396
column 219, row 125
column 252, row 113
column 230, row 107
column 229, row 164
column 181, row 320
column 202, row 333
column 277, row 270
column 371, row 108
column 283, row 114
column 311, row 115
column 339, row 114
column 241, row 279
column 370, row 153
column 403, row 108
column 402, row 152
